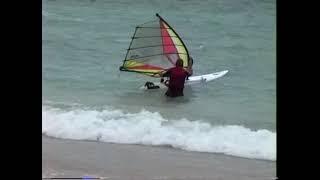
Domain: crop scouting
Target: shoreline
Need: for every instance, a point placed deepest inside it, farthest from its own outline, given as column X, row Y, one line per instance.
column 77, row 158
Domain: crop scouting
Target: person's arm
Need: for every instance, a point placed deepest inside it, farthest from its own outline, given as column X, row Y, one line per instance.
column 189, row 71
column 165, row 74
column 158, row 74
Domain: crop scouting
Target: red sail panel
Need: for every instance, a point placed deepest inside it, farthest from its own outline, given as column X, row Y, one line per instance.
column 166, row 40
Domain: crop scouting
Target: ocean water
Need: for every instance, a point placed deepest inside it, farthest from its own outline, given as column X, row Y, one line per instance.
column 86, row 97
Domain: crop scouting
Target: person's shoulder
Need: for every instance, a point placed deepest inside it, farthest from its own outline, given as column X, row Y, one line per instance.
column 174, row 69
column 171, row 69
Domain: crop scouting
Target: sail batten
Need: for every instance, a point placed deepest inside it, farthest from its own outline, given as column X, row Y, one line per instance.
column 155, row 46
column 154, row 37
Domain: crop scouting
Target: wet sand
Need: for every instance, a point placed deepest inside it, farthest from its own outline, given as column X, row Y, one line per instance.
column 71, row 158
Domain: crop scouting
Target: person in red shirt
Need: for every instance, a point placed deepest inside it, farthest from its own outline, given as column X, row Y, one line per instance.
column 177, row 76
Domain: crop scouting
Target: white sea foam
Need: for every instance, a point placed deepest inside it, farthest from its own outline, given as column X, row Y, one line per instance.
column 150, row 128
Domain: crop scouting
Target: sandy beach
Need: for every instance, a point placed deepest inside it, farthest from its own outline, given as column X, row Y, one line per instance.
column 71, row 158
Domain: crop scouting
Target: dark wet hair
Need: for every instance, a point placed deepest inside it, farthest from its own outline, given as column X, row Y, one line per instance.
column 179, row 63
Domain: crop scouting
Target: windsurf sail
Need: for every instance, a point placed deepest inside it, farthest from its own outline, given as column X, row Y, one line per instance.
column 155, row 47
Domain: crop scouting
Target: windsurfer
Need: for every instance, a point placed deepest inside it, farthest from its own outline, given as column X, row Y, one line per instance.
column 177, row 77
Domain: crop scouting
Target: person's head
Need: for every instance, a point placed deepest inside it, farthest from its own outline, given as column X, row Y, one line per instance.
column 179, row 63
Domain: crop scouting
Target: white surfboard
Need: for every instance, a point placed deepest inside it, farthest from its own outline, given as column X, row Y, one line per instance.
column 195, row 79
